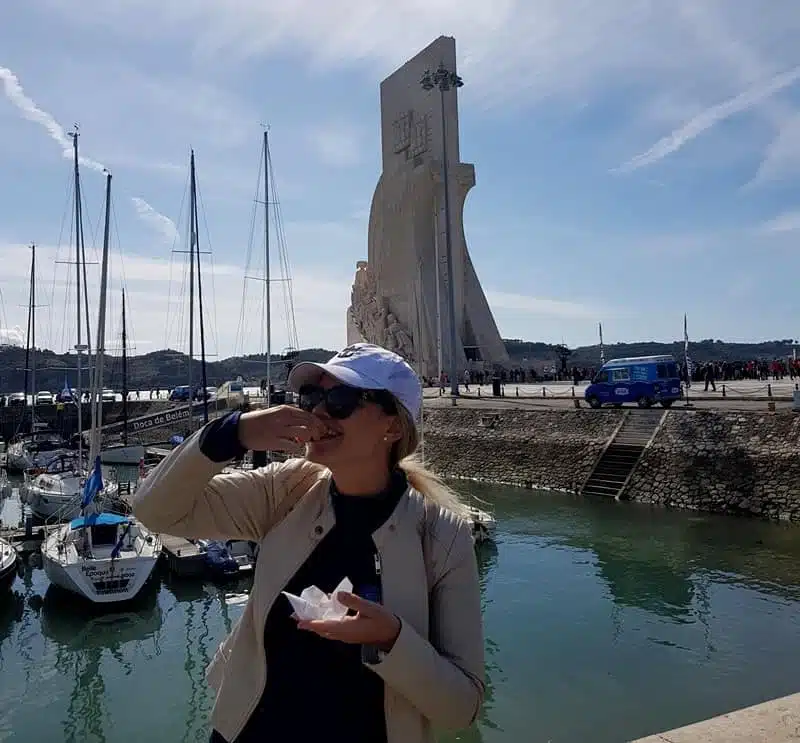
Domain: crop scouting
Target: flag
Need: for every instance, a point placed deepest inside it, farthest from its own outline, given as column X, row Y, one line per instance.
column 687, row 360
column 66, row 393
column 602, row 348
column 118, row 546
column 93, row 485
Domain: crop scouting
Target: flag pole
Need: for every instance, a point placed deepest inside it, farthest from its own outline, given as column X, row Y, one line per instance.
column 686, row 360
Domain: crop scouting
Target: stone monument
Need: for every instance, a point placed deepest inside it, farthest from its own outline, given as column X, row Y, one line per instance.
column 400, row 294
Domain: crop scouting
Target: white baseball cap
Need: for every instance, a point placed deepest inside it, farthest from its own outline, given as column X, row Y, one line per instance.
column 365, row 367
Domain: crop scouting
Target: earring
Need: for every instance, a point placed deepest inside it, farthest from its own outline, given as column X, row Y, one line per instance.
column 385, row 438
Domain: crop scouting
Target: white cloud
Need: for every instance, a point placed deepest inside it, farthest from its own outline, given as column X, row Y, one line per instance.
column 787, row 222
column 158, row 303
column 556, row 308
column 16, row 95
column 337, row 143
column 782, row 157
column 12, row 336
column 162, row 224
column 712, row 116
column 535, row 48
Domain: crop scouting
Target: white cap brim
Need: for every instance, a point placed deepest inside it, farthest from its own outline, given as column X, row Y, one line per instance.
column 310, row 372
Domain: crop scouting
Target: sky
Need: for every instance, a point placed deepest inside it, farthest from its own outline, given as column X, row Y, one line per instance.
column 635, row 161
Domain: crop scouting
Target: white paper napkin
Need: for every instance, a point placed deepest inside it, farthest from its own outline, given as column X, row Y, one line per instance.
column 314, row 603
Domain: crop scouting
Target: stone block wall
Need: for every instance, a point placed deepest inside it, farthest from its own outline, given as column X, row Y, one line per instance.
column 544, row 449
column 735, row 462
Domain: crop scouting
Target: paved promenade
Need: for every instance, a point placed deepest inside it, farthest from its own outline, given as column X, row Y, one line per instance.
column 776, row 721
column 741, row 395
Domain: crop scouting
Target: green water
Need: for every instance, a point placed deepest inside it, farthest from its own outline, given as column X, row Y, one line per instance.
column 604, row 622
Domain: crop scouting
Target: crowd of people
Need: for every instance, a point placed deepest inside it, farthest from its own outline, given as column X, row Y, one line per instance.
column 709, row 373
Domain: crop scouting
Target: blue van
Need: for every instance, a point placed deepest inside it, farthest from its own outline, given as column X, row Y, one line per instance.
column 644, row 380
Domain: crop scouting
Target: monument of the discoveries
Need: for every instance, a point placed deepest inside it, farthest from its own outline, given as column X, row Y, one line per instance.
column 397, row 300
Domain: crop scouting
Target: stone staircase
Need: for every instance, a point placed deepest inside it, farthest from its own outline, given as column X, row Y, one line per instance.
column 617, row 462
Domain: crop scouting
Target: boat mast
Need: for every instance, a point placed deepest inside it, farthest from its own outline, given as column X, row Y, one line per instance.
column 267, row 280
column 203, row 378
column 124, row 376
column 33, row 336
column 79, row 347
column 97, row 387
column 192, row 207
column 28, row 335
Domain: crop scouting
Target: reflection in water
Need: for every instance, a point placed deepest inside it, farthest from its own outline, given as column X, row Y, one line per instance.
column 83, row 632
column 201, row 600
column 603, row 622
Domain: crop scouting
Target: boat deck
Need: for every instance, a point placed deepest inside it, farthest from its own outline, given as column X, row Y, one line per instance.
column 183, row 558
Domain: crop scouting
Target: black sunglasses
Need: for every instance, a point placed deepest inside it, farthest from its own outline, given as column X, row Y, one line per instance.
column 341, row 401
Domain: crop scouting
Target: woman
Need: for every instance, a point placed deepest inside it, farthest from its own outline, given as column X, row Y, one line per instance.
column 408, row 658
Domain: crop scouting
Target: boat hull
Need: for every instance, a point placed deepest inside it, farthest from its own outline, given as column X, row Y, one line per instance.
column 131, row 454
column 103, row 581
column 19, row 459
column 8, row 565
column 64, row 506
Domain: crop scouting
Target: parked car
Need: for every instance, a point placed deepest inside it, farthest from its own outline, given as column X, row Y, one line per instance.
column 44, row 398
column 181, row 394
column 16, row 398
column 109, row 396
column 645, row 380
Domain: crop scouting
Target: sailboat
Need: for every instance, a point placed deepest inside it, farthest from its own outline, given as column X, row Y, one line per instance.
column 37, row 448
column 8, row 564
column 101, row 555
column 54, row 490
column 237, row 557
column 123, row 452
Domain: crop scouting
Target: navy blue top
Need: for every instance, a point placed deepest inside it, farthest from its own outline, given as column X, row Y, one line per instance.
column 317, row 686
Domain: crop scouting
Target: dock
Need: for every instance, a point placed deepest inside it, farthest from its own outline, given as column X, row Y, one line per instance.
column 25, row 541
column 182, row 557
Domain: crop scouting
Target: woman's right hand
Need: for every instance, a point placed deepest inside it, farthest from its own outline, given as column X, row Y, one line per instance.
column 282, row 428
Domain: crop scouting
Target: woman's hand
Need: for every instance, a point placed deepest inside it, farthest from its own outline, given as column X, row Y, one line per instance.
column 282, row 428
column 372, row 625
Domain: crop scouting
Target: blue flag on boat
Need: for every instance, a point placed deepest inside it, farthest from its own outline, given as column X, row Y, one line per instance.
column 94, row 484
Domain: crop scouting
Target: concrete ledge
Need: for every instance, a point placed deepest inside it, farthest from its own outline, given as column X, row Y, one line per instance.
column 776, row 721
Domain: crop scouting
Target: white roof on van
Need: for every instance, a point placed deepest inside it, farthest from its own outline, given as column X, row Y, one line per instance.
column 640, row 360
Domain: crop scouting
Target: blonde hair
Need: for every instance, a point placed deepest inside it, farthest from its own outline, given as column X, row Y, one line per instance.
column 405, row 456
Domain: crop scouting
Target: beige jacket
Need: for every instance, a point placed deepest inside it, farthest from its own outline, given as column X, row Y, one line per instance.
column 434, row 675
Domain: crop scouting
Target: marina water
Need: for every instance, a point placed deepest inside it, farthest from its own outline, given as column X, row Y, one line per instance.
column 604, row 622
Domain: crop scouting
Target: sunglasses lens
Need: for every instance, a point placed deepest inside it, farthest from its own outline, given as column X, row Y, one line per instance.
column 309, row 397
column 341, row 401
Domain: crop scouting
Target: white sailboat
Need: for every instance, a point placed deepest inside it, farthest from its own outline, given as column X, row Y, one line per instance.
column 53, row 490
column 103, row 556
column 8, row 564
column 38, row 448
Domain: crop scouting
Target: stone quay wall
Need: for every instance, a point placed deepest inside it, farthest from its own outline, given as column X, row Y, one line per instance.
column 548, row 449
column 710, row 460
column 733, row 462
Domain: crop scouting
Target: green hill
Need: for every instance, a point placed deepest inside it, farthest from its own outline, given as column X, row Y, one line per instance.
column 167, row 369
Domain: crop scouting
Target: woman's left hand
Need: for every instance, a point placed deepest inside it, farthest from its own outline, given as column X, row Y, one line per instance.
column 372, row 625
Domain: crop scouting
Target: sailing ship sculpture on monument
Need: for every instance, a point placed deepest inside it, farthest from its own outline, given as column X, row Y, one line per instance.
column 401, row 297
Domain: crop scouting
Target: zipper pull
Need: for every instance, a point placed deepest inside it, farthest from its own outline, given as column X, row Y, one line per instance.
column 377, row 564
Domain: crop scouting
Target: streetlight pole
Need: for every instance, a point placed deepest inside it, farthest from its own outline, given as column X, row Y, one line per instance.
column 443, row 79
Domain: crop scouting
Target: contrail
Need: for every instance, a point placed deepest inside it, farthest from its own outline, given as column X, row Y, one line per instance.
column 32, row 112
column 28, row 108
column 158, row 221
column 710, row 117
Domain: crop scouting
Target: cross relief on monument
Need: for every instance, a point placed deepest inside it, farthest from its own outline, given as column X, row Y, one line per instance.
column 411, row 134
